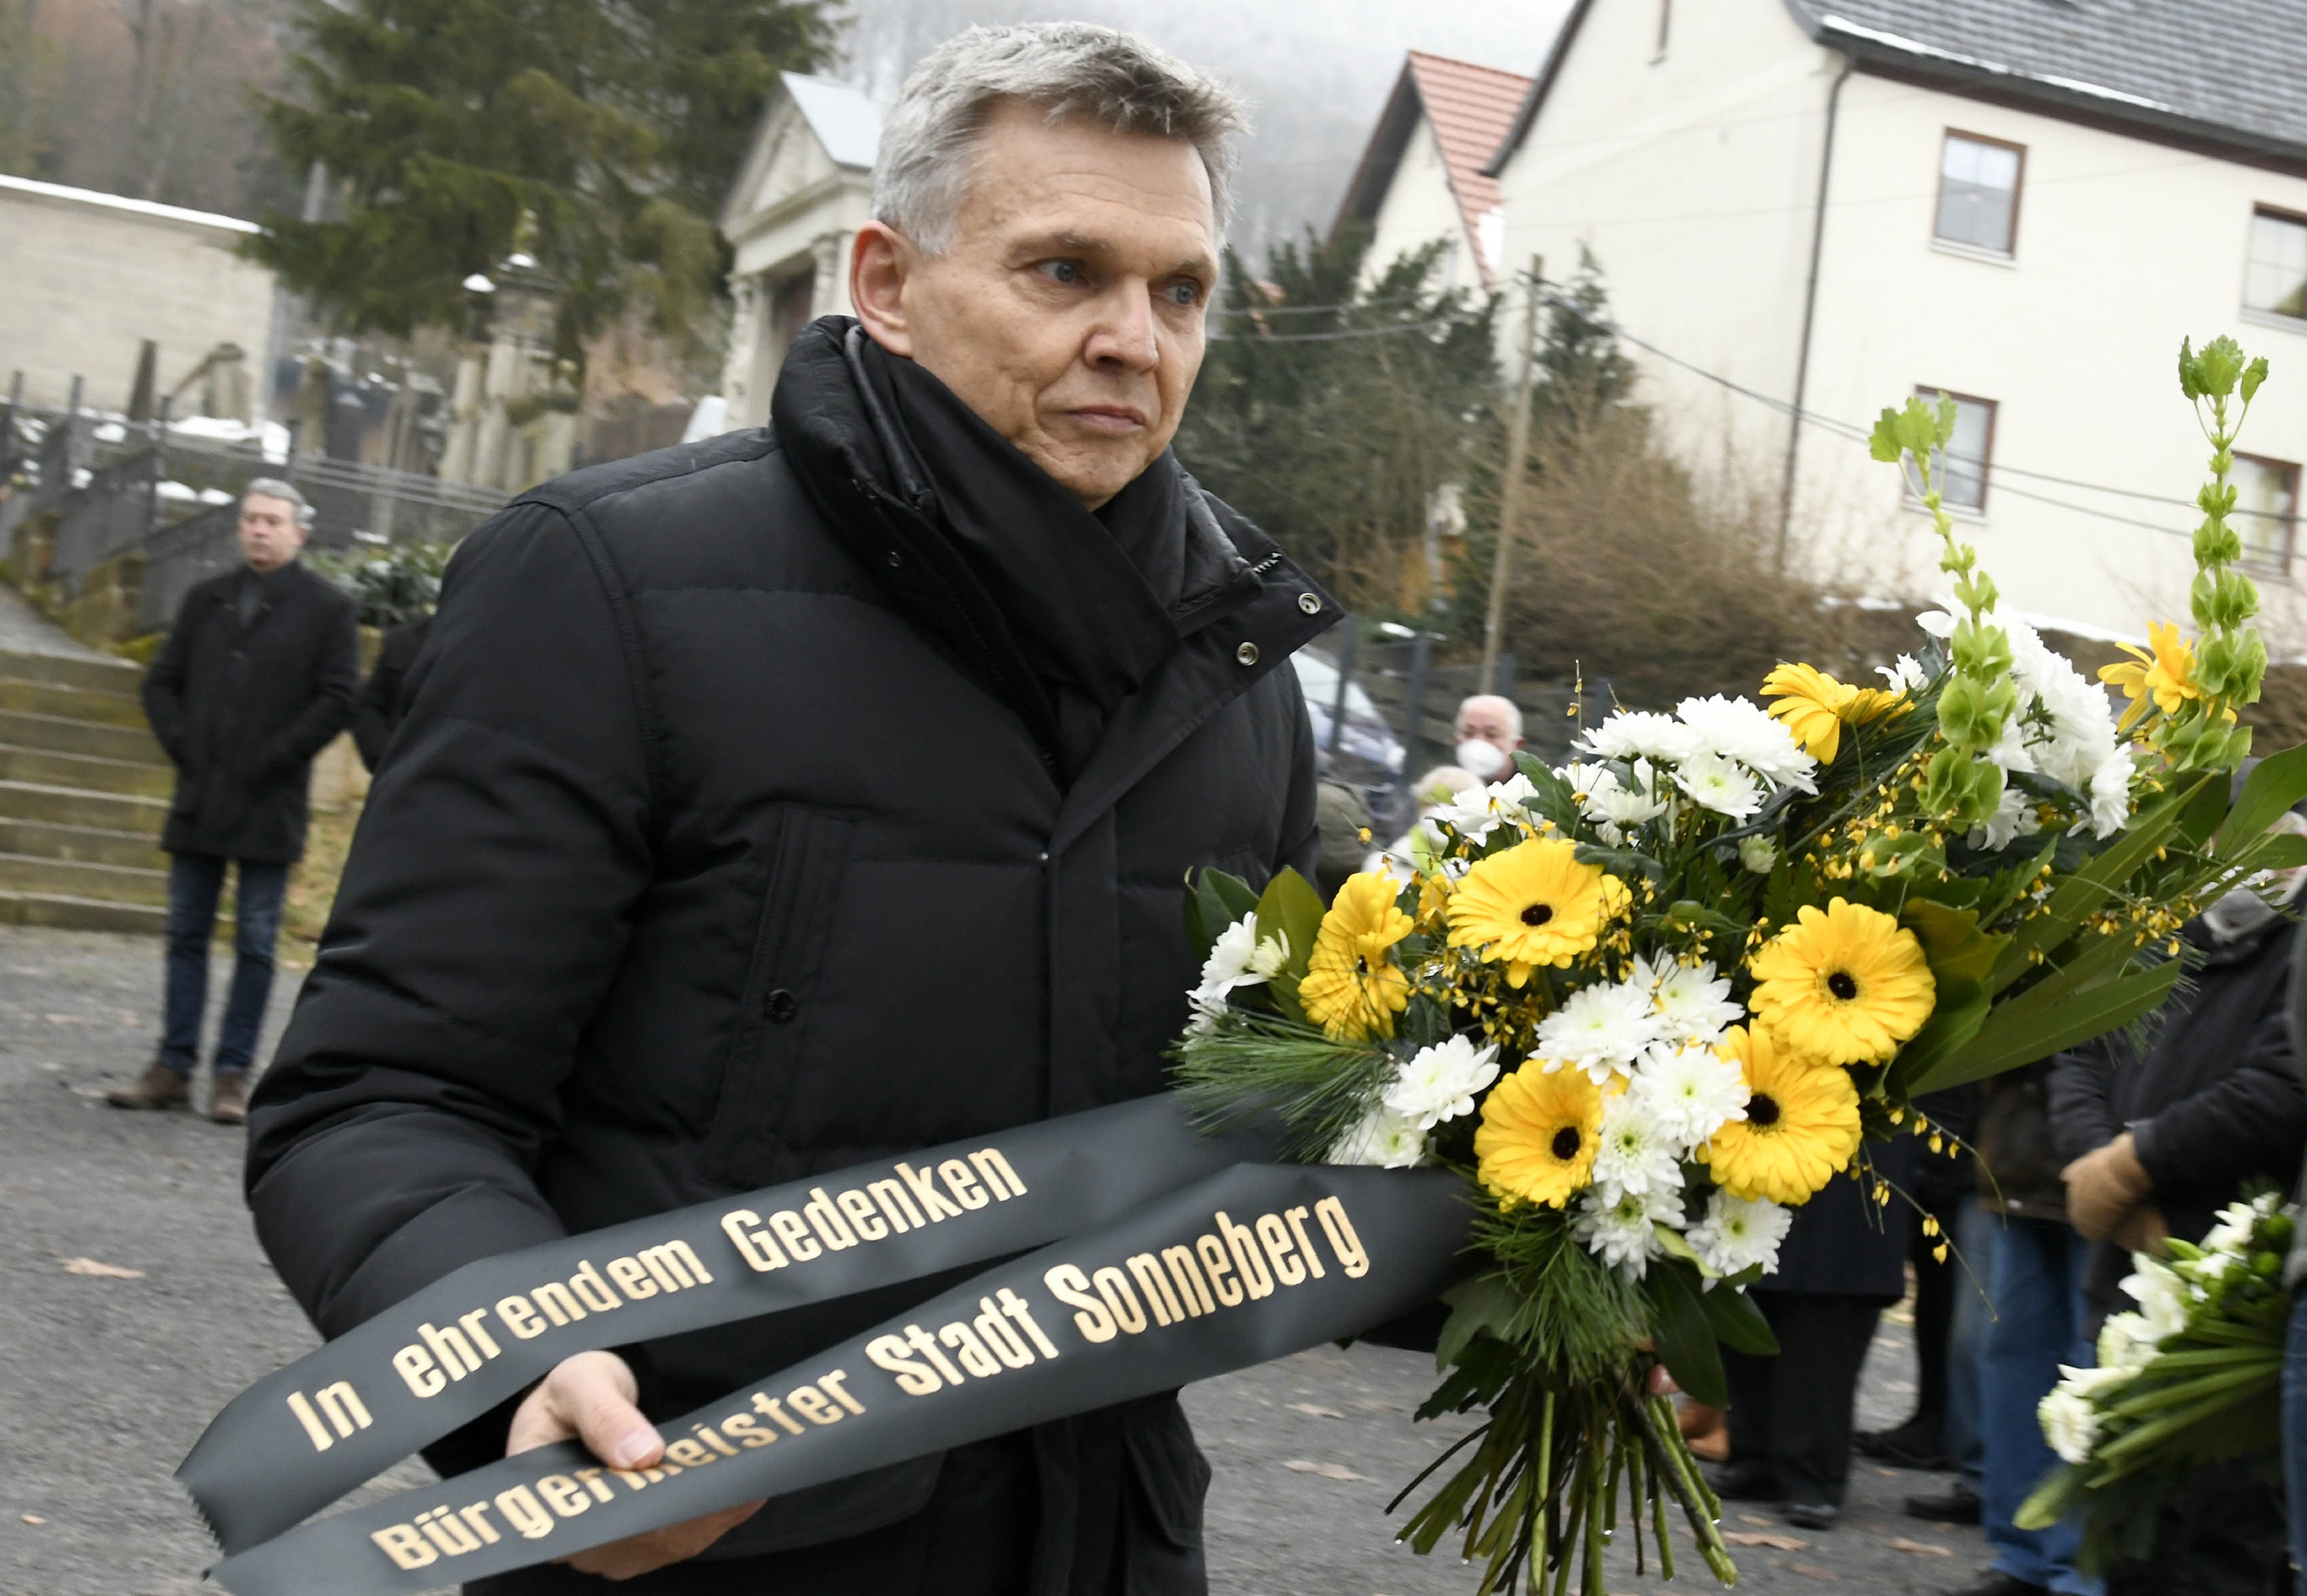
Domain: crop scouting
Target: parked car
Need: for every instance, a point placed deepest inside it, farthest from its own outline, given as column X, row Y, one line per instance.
column 1365, row 753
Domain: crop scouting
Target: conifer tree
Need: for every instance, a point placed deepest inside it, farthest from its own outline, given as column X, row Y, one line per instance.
column 598, row 134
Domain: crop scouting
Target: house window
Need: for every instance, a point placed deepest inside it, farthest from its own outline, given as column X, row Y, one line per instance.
column 2267, row 509
column 2277, row 282
column 1978, row 193
column 1960, row 471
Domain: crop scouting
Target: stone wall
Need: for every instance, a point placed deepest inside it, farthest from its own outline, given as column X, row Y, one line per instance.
column 89, row 276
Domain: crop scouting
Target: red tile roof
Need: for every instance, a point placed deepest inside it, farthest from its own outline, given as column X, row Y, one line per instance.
column 1472, row 108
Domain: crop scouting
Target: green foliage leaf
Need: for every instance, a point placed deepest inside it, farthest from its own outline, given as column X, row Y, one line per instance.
column 2002, row 1045
column 2276, row 784
column 1485, row 1304
column 1682, row 1334
column 1737, row 1322
column 1215, row 900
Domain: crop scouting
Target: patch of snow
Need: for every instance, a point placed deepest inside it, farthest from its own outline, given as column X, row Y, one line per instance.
column 177, row 493
column 1914, row 46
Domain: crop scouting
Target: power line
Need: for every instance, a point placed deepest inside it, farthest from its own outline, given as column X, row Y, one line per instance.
column 1850, row 432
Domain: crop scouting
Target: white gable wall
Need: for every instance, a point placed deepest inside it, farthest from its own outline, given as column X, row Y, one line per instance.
column 1417, row 209
column 1690, row 176
column 2123, row 247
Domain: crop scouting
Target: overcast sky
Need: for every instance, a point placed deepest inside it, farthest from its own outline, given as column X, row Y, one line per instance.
column 1319, row 72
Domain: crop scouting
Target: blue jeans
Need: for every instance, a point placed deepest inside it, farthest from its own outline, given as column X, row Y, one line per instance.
column 1960, row 1432
column 2038, row 1324
column 2294, row 1424
column 195, row 882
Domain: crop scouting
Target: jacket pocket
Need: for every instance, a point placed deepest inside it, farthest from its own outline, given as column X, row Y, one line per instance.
column 808, row 852
column 1172, row 1477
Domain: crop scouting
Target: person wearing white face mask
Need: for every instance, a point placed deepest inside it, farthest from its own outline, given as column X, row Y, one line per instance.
column 1489, row 733
column 2160, row 1136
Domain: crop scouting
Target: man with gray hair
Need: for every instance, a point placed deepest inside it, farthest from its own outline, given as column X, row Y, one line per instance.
column 257, row 674
column 647, row 908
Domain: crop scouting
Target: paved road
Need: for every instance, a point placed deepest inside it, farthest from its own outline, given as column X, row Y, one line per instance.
column 106, row 1382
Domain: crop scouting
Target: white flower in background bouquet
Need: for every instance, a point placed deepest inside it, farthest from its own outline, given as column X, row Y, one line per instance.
column 2192, row 1373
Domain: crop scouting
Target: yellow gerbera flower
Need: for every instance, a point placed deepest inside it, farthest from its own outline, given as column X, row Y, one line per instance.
column 1539, row 1132
column 1533, row 904
column 1801, row 1124
column 1815, row 707
column 1353, row 989
column 1842, row 985
column 2165, row 678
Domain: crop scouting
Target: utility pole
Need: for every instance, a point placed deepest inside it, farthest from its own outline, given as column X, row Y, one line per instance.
column 1510, row 490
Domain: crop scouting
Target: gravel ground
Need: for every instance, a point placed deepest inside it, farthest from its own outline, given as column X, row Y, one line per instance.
column 108, row 1381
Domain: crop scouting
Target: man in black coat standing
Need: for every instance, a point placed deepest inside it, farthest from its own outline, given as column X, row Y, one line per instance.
column 257, row 674
column 643, row 911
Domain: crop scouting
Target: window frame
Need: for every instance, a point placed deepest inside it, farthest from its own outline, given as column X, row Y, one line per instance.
column 2018, row 197
column 1923, row 390
column 2279, row 567
column 2272, row 317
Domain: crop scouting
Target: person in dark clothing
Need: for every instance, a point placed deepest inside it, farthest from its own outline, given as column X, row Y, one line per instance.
column 1842, row 1263
column 256, row 676
column 383, row 699
column 1345, row 818
column 2160, row 1139
column 1943, row 1187
column 642, row 913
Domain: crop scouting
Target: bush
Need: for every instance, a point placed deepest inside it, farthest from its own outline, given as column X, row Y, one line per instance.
column 392, row 585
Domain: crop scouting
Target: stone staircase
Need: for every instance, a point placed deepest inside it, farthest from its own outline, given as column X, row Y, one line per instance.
column 83, row 791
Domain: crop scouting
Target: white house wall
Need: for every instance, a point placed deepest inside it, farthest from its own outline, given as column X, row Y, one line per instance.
column 1690, row 177
column 2123, row 246
column 1417, row 209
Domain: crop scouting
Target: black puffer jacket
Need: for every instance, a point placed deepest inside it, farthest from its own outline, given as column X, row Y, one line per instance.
column 242, row 707
column 2215, row 1100
column 701, row 862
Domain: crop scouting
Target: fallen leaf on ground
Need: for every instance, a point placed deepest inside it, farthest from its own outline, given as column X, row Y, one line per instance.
column 32, row 1518
column 1921, row 1548
column 1373, row 1405
column 1770, row 1537
column 1298, row 1465
column 1811, row 1571
column 1766, row 1524
column 102, row 1271
column 1318, row 1412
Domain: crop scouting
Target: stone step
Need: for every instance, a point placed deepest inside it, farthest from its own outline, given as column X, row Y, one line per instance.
column 89, row 844
column 71, row 806
column 67, row 670
column 27, row 873
column 71, row 703
column 80, row 914
column 57, row 735
column 48, row 768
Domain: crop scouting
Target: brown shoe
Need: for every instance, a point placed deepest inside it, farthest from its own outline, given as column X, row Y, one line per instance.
column 228, row 1097
column 159, row 1087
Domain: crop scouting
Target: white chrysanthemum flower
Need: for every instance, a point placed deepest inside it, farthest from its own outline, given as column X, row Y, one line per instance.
column 1620, row 810
column 1740, row 1232
column 1585, row 778
column 2232, row 1231
column 1715, row 783
column 1907, row 675
column 1642, row 734
column 1690, row 1092
column 1621, row 1227
column 2069, row 1423
column 1236, row 958
column 2014, row 816
column 1439, row 1082
column 1632, row 1151
column 2161, row 1296
column 1602, row 1029
column 1743, row 730
column 2110, row 794
column 1938, row 623
column 2126, row 1342
column 1382, row 1140
column 1477, row 812
column 1758, row 854
column 2010, row 751
column 1691, row 1002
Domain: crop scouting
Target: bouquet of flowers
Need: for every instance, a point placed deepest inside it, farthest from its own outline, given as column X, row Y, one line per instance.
column 2190, row 1377
column 1650, row 1000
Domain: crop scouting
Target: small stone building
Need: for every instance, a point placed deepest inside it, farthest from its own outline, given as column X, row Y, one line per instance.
column 804, row 190
column 89, row 276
